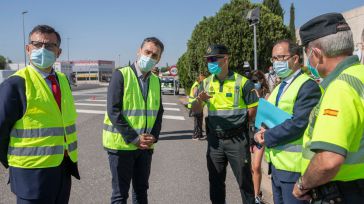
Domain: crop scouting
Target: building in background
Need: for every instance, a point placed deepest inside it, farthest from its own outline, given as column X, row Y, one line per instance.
column 81, row 70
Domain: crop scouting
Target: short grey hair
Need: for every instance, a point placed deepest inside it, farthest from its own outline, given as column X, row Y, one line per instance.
column 340, row 43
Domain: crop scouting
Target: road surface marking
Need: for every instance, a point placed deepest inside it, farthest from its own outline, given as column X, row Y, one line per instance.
column 90, row 104
column 171, row 104
column 173, row 117
column 96, row 100
column 90, row 111
column 172, row 109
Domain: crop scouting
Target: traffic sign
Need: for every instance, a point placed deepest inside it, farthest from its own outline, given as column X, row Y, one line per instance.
column 173, row 70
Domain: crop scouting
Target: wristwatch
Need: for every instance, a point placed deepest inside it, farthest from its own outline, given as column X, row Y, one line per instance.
column 300, row 185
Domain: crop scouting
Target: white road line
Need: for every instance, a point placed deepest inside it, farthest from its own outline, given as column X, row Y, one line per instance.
column 90, row 104
column 90, row 111
column 88, row 94
column 96, row 100
column 172, row 109
column 173, row 117
column 171, row 104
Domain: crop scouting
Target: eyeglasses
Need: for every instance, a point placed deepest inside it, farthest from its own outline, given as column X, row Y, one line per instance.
column 213, row 58
column 280, row 58
column 48, row 46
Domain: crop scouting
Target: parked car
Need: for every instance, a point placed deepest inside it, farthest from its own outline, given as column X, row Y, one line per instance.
column 170, row 85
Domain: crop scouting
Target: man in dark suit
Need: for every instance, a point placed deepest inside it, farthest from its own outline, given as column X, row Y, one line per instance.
column 38, row 140
column 297, row 94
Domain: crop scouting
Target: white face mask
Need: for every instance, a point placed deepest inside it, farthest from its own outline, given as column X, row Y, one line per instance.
column 359, row 53
column 146, row 63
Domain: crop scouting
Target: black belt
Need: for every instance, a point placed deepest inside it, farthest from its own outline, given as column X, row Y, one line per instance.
column 334, row 191
column 228, row 134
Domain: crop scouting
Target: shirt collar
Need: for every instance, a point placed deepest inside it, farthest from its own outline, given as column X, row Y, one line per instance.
column 230, row 76
column 139, row 73
column 290, row 78
column 346, row 63
column 42, row 73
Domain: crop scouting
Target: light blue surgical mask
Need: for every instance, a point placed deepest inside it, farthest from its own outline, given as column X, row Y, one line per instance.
column 214, row 68
column 312, row 69
column 42, row 58
column 146, row 63
column 282, row 69
column 257, row 86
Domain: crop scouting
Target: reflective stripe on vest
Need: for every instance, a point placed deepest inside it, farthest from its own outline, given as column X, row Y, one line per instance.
column 287, row 156
column 42, row 132
column 40, row 151
column 112, row 129
column 37, row 140
column 139, row 114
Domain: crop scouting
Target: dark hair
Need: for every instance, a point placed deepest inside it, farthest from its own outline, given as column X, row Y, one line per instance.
column 293, row 48
column 45, row 29
column 259, row 75
column 154, row 40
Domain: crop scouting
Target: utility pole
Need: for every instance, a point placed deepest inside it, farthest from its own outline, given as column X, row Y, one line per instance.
column 25, row 55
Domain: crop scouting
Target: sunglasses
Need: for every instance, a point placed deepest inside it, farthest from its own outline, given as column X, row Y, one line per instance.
column 213, row 58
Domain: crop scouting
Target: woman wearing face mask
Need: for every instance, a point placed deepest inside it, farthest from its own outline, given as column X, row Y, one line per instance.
column 261, row 88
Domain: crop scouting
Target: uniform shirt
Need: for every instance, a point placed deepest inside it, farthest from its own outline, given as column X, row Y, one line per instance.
column 115, row 96
column 249, row 96
column 338, row 120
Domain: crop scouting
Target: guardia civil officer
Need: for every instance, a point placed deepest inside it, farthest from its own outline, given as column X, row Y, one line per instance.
column 230, row 99
column 333, row 143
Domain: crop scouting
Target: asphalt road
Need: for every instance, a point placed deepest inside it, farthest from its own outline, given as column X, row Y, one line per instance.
column 179, row 173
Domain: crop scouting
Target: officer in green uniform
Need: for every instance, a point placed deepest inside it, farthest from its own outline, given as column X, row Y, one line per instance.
column 198, row 117
column 230, row 99
column 333, row 143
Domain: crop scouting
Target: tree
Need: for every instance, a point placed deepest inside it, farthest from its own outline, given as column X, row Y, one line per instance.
column 2, row 62
column 275, row 7
column 292, row 27
column 229, row 27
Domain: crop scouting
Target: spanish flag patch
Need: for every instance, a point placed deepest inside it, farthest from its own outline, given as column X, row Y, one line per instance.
column 331, row 112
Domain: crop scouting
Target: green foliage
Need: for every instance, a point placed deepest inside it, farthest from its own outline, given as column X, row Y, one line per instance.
column 229, row 27
column 275, row 7
column 292, row 27
column 2, row 62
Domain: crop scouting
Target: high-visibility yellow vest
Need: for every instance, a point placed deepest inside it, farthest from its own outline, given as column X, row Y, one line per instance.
column 337, row 122
column 287, row 156
column 37, row 140
column 227, row 102
column 191, row 97
column 140, row 114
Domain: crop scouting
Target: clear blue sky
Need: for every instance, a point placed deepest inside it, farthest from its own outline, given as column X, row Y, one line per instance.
column 104, row 29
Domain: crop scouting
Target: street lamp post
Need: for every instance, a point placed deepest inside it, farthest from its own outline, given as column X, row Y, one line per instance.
column 253, row 18
column 25, row 56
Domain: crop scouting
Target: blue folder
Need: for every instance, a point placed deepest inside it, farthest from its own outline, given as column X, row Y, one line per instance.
column 269, row 115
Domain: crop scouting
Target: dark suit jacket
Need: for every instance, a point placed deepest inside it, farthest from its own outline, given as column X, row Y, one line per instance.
column 308, row 96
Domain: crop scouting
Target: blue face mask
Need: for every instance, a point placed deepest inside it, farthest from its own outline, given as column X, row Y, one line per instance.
column 214, row 68
column 146, row 63
column 282, row 69
column 312, row 69
column 257, row 86
column 42, row 58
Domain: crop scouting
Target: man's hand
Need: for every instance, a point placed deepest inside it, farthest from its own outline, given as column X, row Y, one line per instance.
column 146, row 141
column 203, row 96
column 259, row 136
column 301, row 194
